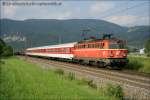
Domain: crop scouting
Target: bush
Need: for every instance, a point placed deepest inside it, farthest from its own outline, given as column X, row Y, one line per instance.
column 71, row 76
column 83, row 81
column 59, row 71
column 1, row 50
column 7, row 51
column 134, row 64
column 90, row 83
column 115, row 91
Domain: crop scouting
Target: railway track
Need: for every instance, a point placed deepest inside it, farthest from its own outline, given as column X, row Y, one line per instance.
column 116, row 76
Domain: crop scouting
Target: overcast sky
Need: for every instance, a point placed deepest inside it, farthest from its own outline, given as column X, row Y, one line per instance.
column 122, row 12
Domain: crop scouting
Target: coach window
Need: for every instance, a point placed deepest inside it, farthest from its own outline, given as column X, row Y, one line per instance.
column 93, row 45
column 82, row 46
column 90, row 45
column 75, row 46
column 79, row 46
column 100, row 46
column 87, row 45
column 97, row 45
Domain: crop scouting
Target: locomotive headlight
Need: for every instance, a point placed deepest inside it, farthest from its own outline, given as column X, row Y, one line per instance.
column 110, row 53
column 117, row 53
column 124, row 54
column 103, row 53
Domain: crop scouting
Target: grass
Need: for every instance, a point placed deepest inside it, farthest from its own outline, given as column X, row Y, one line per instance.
column 141, row 64
column 21, row 80
column 59, row 71
column 90, row 83
column 114, row 90
column 71, row 76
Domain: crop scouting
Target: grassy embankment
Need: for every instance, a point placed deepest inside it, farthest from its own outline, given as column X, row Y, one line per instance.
column 141, row 64
column 21, row 80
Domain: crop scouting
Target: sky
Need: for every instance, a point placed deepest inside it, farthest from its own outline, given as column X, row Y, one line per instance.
column 121, row 12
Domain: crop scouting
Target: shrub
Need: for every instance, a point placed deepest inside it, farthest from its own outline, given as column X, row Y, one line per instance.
column 134, row 64
column 115, row 91
column 83, row 81
column 59, row 71
column 92, row 84
column 71, row 76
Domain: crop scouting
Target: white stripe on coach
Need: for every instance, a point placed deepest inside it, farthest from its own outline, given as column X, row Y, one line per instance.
column 67, row 56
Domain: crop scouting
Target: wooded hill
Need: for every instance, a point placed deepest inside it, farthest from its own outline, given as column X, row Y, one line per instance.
column 40, row 32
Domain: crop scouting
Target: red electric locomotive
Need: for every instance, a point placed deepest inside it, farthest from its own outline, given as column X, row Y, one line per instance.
column 107, row 51
column 104, row 52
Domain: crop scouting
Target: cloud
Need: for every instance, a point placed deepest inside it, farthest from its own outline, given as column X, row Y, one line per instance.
column 8, row 11
column 101, row 7
column 128, row 20
column 65, row 15
column 31, row 12
column 34, row 12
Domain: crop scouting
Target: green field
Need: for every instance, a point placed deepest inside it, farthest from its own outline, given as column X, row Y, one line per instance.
column 141, row 64
column 21, row 80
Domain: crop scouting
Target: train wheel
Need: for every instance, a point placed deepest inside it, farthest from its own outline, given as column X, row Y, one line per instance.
column 109, row 67
column 81, row 62
column 100, row 64
column 91, row 63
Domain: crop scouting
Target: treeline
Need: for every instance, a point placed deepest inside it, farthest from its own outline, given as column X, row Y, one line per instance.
column 5, row 50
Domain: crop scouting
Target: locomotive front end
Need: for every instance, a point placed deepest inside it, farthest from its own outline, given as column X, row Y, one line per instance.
column 117, row 53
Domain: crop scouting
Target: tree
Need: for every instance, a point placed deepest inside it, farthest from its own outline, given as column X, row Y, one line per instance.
column 5, row 50
column 147, row 47
column 1, row 50
column 1, row 47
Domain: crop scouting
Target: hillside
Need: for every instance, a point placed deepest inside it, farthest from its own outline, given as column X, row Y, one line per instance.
column 39, row 32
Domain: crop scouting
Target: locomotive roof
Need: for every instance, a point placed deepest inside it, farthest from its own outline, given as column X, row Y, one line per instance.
column 54, row 46
column 98, row 40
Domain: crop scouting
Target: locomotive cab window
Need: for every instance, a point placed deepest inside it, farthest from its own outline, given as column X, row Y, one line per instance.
column 101, row 45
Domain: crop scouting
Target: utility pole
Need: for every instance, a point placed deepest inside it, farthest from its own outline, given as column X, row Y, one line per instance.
column 84, row 33
column 59, row 40
column 24, row 51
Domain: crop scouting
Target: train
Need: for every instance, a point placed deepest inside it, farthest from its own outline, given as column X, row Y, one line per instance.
column 107, row 51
